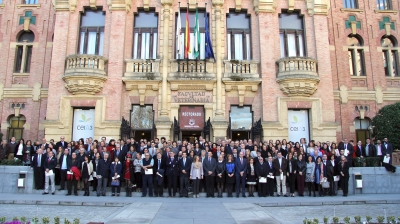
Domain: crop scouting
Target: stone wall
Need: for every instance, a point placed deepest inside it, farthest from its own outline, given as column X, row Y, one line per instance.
column 9, row 176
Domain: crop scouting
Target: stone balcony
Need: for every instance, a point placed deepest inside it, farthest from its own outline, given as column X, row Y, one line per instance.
column 139, row 69
column 183, row 69
column 298, row 76
column 236, row 70
column 85, row 74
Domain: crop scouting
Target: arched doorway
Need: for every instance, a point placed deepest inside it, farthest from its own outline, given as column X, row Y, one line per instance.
column 16, row 128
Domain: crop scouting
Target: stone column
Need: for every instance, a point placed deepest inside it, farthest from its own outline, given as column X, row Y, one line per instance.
column 163, row 123
column 219, row 122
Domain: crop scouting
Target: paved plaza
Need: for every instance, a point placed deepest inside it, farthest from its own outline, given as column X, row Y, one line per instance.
column 196, row 210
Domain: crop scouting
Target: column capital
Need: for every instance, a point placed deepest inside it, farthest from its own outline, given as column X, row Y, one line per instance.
column 167, row 2
column 218, row 2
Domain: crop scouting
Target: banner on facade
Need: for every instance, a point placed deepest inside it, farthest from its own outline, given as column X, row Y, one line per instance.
column 298, row 125
column 83, row 125
column 191, row 117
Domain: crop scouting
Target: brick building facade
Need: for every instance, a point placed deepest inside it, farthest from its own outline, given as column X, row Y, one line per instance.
column 317, row 69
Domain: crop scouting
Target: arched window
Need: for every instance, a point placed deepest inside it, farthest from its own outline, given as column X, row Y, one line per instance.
column 362, row 128
column 16, row 128
column 356, row 55
column 23, row 54
column 390, row 56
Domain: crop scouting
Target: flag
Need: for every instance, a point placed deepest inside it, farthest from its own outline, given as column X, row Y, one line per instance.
column 196, row 52
column 187, row 34
column 178, row 36
column 209, row 53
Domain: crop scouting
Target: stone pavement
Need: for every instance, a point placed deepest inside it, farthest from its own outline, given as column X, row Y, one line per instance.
column 197, row 210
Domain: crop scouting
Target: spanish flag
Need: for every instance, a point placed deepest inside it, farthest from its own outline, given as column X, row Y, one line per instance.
column 187, row 34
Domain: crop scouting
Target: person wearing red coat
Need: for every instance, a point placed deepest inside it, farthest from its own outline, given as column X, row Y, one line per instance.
column 127, row 175
column 111, row 149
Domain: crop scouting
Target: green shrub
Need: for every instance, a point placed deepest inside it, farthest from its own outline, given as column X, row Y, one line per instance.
column 346, row 220
column 336, row 220
column 357, row 219
column 380, row 219
column 391, row 219
column 326, row 220
column 315, row 220
column 368, row 218
column 386, row 124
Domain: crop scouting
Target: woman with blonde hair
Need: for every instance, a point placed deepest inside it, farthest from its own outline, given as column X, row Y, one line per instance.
column 196, row 174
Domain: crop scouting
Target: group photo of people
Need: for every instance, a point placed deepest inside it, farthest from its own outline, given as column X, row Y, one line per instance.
column 165, row 168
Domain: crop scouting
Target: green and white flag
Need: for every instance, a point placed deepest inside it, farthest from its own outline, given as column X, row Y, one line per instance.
column 196, row 52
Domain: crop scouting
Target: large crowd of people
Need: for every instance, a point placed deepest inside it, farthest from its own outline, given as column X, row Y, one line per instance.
column 270, row 168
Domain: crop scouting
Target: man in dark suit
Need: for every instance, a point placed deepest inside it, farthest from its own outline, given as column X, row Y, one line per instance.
column 38, row 169
column 343, row 169
column 62, row 143
column 387, row 149
column 10, row 149
column 229, row 148
column 280, row 166
column 103, row 173
column 159, row 163
column 65, row 166
column 360, row 150
column 209, row 167
column 172, row 173
column 331, row 167
column 369, row 149
column 44, row 144
column 240, row 173
column 270, row 179
column 184, row 173
column 49, row 167
column 348, row 150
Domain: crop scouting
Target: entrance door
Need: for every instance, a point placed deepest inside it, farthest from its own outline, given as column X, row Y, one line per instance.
column 240, row 135
column 142, row 134
column 191, row 136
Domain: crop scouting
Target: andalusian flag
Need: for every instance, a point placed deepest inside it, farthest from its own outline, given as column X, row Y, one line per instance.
column 178, row 36
column 187, row 34
column 196, row 52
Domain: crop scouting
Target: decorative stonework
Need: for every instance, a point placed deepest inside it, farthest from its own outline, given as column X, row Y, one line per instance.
column 238, row 5
column 85, row 74
column 236, row 70
column 298, row 76
column 353, row 24
column 264, row 6
column 318, row 7
column 138, row 69
column 65, row 5
column 387, row 25
column 244, row 88
column 114, row 5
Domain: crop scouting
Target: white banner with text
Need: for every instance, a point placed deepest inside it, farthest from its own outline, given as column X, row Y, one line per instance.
column 298, row 125
column 83, row 126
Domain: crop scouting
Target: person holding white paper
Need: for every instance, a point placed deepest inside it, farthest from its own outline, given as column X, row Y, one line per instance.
column 147, row 177
column 49, row 167
column 261, row 173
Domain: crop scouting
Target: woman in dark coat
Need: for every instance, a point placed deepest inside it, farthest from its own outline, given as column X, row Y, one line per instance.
column 20, row 149
column 115, row 174
column 220, row 174
column 291, row 173
column 251, row 176
column 301, row 174
column 343, row 169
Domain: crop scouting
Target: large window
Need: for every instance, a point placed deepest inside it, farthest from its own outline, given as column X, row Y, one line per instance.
column 291, row 35
column 390, row 56
column 241, row 122
column 145, row 35
column 238, row 36
column 384, row 4
column 91, row 39
column 16, row 128
column 192, row 18
column 142, row 122
column 30, row 2
column 23, row 53
column 356, row 56
column 350, row 4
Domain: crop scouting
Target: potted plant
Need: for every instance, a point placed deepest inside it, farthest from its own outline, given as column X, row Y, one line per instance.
column 2, row 219
column 45, row 220
column 336, row 219
column 315, row 220
column 57, row 220
column 326, row 220
column 76, row 221
column 368, row 218
column 23, row 219
column 35, row 220
column 346, row 220
column 380, row 219
column 357, row 219
column 391, row 220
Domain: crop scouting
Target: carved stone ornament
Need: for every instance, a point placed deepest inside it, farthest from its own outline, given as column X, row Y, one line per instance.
column 264, row 6
column 65, row 5
column 318, row 7
column 114, row 5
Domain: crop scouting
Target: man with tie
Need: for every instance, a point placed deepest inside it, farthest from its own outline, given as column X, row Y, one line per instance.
column 159, row 164
column 348, row 150
column 280, row 166
column 49, row 167
column 240, row 173
column 44, row 144
column 152, row 150
column 379, row 151
column 88, row 145
column 387, row 149
column 62, row 143
column 38, row 169
column 270, row 175
column 65, row 165
column 147, row 164
column 184, row 173
column 172, row 173
column 324, row 173
column 209, row 167
column 360, row 152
